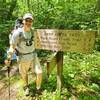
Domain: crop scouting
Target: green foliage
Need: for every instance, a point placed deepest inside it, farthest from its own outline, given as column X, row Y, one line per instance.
column 84, row 96
column 5, row 30
column 2, row 54
column 64, row 14
column 81, row 78
column 81, row 72
column 97, row 46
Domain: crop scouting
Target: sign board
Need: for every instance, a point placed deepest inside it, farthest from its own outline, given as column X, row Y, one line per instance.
column 64, row 40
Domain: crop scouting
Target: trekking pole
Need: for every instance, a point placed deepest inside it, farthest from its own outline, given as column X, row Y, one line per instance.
column 8, row 68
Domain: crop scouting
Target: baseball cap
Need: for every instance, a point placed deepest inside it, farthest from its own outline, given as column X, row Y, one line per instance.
column 28, row 15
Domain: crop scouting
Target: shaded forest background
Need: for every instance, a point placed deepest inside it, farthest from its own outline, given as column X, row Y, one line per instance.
column 52, row 14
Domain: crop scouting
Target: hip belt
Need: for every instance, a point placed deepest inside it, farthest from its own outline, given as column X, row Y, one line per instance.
column 19, row 53
column 25, row 53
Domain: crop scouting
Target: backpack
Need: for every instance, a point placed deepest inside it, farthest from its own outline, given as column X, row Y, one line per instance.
column 18, row 24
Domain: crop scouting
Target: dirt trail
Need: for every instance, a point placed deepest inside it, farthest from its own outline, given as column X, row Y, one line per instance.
column 4, row 87
column 16, row 91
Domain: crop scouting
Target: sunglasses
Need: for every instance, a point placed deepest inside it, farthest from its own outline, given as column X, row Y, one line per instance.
column 28, row 20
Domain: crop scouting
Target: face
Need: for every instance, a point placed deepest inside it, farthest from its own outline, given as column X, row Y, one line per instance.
column 28, row 22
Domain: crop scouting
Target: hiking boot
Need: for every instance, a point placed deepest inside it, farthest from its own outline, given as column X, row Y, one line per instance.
column 26, row 90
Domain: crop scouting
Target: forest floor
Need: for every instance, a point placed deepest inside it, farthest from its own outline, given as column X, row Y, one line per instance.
column 9, row 88
column 81, row 81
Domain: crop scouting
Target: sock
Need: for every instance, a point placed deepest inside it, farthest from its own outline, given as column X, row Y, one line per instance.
column 38, row 87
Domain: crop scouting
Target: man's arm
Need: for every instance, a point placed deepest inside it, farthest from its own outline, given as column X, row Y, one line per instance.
column 13, row 43
column 9, row 55
column 10, row 51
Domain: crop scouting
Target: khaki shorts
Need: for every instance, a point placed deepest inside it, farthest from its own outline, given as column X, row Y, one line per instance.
column 33, row 64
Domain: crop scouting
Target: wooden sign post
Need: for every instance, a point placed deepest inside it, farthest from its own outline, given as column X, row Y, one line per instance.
column 59, row 61
column 64, row 40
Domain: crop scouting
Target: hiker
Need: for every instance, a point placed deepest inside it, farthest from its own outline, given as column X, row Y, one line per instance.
column 22, row 41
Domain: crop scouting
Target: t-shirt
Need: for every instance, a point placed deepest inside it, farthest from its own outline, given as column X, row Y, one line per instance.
column 24, row 43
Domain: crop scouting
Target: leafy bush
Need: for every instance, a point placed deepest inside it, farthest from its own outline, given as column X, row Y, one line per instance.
column 2, row 54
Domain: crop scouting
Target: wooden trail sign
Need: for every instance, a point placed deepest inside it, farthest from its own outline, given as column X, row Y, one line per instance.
column 64, row 40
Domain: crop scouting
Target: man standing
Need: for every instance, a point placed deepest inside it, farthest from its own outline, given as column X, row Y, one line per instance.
column 22, row 41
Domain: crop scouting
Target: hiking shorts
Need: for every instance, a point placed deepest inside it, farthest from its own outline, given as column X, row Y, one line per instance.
column 34, row 64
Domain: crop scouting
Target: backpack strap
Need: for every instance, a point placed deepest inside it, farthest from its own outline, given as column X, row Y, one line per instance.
column 22, row 36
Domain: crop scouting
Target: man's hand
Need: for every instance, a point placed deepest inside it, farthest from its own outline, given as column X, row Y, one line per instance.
column 7, row 62
column 7, row 65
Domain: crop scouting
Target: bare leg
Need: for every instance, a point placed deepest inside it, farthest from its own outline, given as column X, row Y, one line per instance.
column 25, row 80
column 38, row 71
column 38, row 81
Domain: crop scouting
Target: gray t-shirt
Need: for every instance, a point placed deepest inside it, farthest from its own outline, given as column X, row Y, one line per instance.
column 20, row 39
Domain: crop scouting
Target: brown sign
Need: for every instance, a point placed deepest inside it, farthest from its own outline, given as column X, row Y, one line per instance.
column 64, row 40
